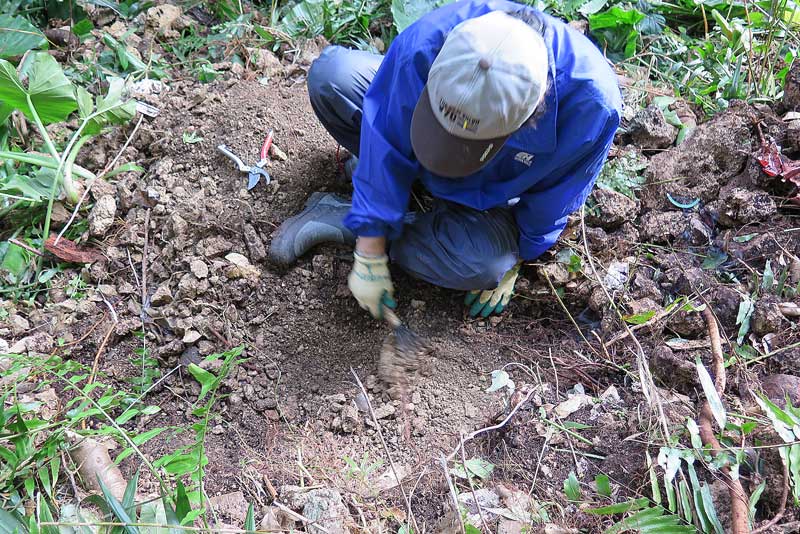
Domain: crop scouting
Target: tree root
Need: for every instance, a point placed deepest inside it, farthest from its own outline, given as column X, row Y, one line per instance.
column 739, row 501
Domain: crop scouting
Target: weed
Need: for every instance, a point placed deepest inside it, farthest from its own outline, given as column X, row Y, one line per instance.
column 363, row 469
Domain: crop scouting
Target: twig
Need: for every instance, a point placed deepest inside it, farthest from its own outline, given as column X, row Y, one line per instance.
column 25, row 246
column 443, row 462
column 782, row 506
column 501, row 424
column 739, row 501
column 144, row 262
column 564, row 307
column 472, row 486
column 99, row 176
column 411, row 517
column 100, row 349
column 649, row 390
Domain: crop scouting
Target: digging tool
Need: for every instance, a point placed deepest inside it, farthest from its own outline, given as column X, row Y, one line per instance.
column 402, row 354
column 254, row 172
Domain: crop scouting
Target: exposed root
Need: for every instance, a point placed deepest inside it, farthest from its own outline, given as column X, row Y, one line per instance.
column 739, row 500
column 94, row 463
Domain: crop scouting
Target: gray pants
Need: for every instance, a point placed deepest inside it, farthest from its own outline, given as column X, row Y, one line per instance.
column 453, row 246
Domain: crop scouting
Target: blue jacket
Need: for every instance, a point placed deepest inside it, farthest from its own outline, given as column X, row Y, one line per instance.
column 550, row 164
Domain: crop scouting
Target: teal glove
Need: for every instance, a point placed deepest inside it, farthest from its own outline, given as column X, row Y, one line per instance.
column 371, row 284
column 485, row 303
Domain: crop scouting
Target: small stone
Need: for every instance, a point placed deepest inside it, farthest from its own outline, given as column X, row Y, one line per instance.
column 232, row 505
column 19, row 324
column 191, row 336
column 238, row 259
column 101, row 218
column 382, row 412
column 107, row 290
column 254, row 244
column 162, row 296
column 199, row 268
column 217, row 430
column 418, row 304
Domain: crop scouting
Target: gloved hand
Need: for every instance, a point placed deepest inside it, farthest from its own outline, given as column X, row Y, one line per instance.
column 484, row 303
column 371, row 283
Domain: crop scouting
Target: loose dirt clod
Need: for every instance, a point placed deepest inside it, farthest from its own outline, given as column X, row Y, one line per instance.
column 401, row 355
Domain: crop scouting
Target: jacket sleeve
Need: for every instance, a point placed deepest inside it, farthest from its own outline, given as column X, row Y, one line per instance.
column 542, row 211
column 386, row 166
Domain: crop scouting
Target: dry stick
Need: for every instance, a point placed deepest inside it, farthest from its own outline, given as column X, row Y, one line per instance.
column 443, row 462
column 472, row 486
column 782, row 507
column 739, row 500
column 144, row 261
column 411, row 517
column 646, row 378
column 499, row 425
column 564, row 307
column 91, row 183
column 25, row 246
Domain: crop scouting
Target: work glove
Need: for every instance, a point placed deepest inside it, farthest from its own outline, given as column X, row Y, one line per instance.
column 371, row 283
column 484, row 303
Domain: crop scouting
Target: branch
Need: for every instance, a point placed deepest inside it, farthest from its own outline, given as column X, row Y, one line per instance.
column 739, row 502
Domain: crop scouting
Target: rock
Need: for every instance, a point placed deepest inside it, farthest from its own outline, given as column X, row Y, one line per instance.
column 777, row 387
column 673, row 370
column 166, row 20
column 60, row 215
column 107, row 290
column 484, row 497
column 649, row 129
column 38, row 343
column 663, row 226
column 264, row 61
column 767, row 316
column 19, row 324
column 610, row 209
column 643, row 306
column 687, row 323
column 791, row 88
column 199, row 268
column 241, row 268
column 101, row 218
column 191, row 336
column 324, row 507
column 350, row 420
column 793, row 135
column 556, row 272
column 384, row 411
column 743, row 206
column 213, row 246
column 509, row 526
column 277, row 520
column 162, row 296
column 254, row 244
column 231, row 505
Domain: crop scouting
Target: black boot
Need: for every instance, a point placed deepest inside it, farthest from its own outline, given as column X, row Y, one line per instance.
column 319, row 222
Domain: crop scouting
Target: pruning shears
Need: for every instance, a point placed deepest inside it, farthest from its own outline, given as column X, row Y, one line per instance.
column 254, row 172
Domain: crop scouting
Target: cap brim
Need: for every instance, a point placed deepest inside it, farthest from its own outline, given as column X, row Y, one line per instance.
column 443, row 153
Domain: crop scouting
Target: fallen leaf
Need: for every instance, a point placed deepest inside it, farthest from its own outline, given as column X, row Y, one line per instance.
column 68, row 251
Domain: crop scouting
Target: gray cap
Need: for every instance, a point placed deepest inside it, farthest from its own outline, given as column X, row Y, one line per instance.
column 486, row 81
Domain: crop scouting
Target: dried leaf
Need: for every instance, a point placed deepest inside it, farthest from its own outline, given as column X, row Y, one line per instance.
column 68, row 251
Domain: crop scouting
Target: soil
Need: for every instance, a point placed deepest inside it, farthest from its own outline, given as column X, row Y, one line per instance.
column 292, row 412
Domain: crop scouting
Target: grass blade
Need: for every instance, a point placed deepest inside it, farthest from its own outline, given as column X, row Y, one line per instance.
column 711, row 394
column 117, row 509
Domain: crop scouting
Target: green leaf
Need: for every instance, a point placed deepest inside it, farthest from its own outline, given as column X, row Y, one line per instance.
column 130, row 493
column 710, row 510
column 250, row 520
column 182, row 505
column 206, row 379
column 14, row 262
column 17, row 36
column 83, row 28
column 51, row 93
column 711, row 394
column 153, row 513
column 754, row 497
column 476, row 467
column 639, row 318
column 406, row 12
column 744, row 238
column 769, row 277
column 10, row 524
column 603, row 485
column 117, row 509
column 126, row 167
column 686, row 502
column 111, row 110
column 746, row 309
column 471, row 529
column 190, row 138
column 620, row 508
column 572, row 489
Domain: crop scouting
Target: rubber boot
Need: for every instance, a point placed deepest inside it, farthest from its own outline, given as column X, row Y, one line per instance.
column 319, row 222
